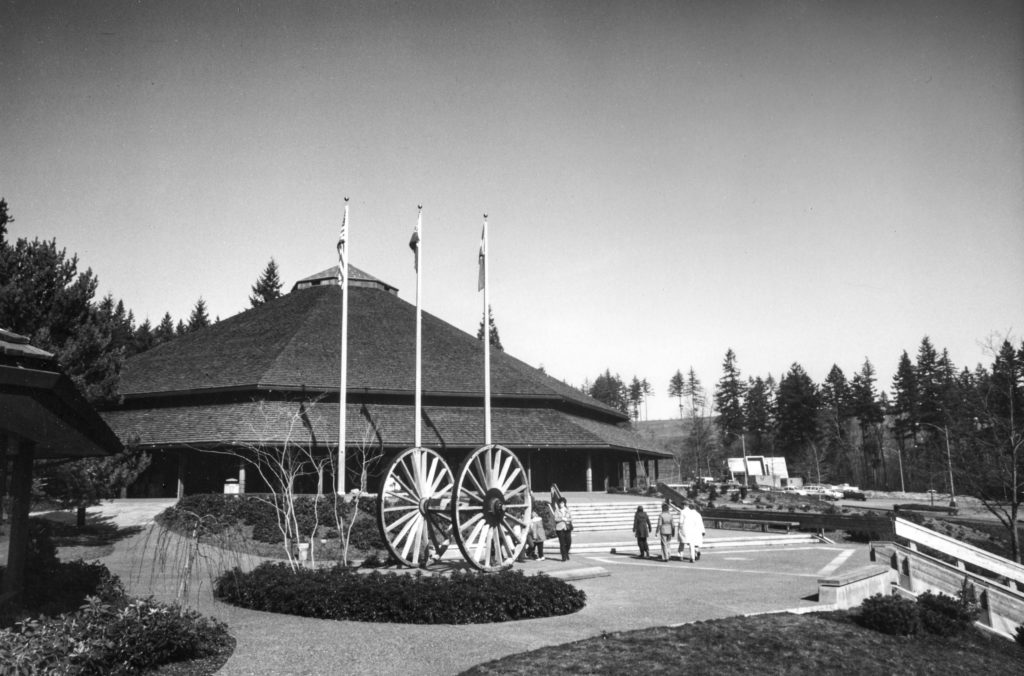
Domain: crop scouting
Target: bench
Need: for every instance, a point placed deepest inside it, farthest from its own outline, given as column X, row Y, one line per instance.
column 788, row 525
column 850, row 589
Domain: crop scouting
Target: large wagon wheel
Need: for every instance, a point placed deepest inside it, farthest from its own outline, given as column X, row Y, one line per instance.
column 492, row 508
column 414, row 505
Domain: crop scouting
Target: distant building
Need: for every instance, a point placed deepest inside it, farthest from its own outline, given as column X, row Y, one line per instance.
column 269, row 376
column 765, row 470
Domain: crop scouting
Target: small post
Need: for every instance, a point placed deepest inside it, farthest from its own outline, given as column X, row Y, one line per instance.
column 21, row 489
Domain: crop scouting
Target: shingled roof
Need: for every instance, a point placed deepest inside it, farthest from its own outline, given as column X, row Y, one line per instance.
column 288, row 350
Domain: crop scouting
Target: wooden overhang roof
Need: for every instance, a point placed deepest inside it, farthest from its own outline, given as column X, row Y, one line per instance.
column 208, row 387
column 41, row 405
column 390, row 426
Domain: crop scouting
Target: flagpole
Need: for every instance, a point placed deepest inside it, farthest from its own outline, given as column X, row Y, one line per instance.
column 343, row 387
column 487, row 337
column 419, row 325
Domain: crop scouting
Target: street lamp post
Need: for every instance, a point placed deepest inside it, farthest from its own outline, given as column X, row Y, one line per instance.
column 949, row 461
column 746, row 466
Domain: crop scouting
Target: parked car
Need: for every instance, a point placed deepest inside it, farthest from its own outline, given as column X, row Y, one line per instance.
column 823, row 492
column 853, row 494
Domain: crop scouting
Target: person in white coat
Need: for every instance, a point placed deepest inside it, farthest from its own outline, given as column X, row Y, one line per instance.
column 691, row 532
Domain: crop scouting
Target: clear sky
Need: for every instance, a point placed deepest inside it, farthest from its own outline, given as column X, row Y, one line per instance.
column 801, row 181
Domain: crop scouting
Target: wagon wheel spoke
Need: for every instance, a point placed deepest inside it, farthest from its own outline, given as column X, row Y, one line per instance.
column 411, row 510
column 402, row 520
column 492, row 507
column 517, row 520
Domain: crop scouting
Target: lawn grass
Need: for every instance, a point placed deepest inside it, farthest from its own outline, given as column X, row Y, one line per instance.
column 819, row 643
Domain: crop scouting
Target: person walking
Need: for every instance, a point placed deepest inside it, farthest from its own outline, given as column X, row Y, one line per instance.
column 641, row 529
column 563, row 528
column 666, row 531
column 691, row 532
column 537, row 536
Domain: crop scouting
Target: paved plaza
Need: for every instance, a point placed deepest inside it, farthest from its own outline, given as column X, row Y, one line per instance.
column 634, row 594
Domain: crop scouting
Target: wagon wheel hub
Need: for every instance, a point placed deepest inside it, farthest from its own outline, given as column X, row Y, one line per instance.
column 494, row 506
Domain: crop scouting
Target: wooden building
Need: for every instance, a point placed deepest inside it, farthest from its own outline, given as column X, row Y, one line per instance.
column 269, row 377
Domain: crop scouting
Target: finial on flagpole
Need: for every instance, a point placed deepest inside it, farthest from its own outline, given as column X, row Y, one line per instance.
column 420, row 207
column 485, row 217
column 346, row 199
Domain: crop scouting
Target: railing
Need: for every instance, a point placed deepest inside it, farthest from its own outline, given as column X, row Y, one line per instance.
column 928, row 561
column 963, row 554
column 878, row 527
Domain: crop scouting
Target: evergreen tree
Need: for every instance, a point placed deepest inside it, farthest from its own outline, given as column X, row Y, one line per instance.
column 647, row 391
column 729, row 401
column 904, row 411
column 164, row 330
column 675, row 389
column 835, row 411
column 199, row 319
column 494, row 337
column 267, row 286
column 144, row 338
column 694, row 392
column 610, row 390
column 990, row 450
column 180, row 329
column 757, row 411
column 700, row 439
column 45, row 297
column 929, row 386
column 797, row 414
column 869, row 412
column 636, row 396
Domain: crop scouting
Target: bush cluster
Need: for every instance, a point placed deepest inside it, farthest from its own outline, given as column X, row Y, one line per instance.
column 890, row 615
column 220, row 512
column 110, row 633
column 944, row 615
column 51, row 586
column 937, row 614
column 119, row 636
column 342, row 594
column 543, row 507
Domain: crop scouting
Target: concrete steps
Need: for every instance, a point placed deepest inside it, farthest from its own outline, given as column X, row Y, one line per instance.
column 605, row 516
column 710, row 544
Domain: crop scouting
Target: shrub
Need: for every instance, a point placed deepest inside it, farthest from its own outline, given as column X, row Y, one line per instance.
column 890, row 615
column 122, row 636
column 944, row 615
column 343, row 594
column 543, row 507
column 1019, row 637
column 52, row 587
column 220, row 512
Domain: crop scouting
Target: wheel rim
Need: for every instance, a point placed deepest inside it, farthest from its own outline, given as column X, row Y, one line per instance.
column 414, row 505
column 492, row 508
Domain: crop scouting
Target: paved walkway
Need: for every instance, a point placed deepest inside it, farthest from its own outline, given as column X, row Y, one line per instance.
column 636, row 594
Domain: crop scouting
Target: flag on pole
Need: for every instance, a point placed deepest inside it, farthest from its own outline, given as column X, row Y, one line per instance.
column 414, row 243
column 343, row 247
column 482, row 258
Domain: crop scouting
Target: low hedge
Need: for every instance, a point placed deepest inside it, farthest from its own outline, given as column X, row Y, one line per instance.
column 937, row 614
column 220, row 512
column 342, row 594
column 110, row 633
